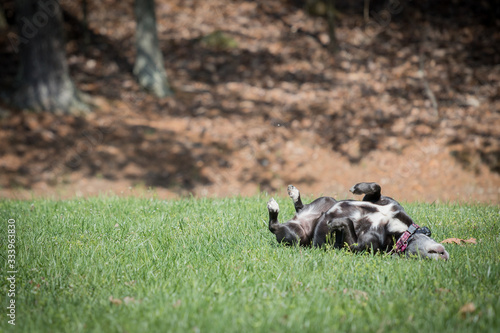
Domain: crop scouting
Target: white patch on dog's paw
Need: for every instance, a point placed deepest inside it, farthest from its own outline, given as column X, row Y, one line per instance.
column 273, row 206
column 293, row 193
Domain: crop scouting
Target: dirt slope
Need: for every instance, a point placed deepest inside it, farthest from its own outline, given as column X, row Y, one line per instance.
column 260, row 103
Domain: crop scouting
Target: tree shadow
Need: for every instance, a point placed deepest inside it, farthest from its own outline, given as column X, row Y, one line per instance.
column 224, row 83
column 53, row 146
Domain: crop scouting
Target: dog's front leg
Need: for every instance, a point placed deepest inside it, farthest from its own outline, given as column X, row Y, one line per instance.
column 322, row 231
column 369, row 241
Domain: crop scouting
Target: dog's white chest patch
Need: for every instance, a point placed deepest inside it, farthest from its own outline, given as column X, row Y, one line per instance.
column 395, row 225
column 378, row 219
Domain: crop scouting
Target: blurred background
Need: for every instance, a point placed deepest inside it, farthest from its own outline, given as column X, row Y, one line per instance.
column 234, row 97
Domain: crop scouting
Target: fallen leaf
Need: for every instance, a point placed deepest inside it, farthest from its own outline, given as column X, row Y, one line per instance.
column 115, row 301
column 117, row 225
column 467, row 308
column 128, row 300
column 442, row 290
column 470, row 240
column 459, row 241
column 356, row 294
column 451, row 240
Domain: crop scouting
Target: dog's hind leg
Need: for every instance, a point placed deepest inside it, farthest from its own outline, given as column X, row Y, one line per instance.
column 294, row 193
column 273, row 209
column 339, row 239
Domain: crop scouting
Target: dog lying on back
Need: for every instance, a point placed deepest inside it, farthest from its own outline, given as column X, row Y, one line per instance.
column 304, row 229
column 372, row 224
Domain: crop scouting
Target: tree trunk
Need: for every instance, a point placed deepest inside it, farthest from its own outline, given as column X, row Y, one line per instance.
column 43, row 78
column 3, row 20
column 333, row 46
column 149, row 68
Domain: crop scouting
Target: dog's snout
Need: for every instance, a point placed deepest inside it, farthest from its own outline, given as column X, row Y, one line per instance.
column 439, row 250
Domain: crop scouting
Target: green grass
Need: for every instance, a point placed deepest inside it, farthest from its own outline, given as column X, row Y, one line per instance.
column 211, row 265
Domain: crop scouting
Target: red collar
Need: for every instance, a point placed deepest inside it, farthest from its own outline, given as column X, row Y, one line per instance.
column 402, row 242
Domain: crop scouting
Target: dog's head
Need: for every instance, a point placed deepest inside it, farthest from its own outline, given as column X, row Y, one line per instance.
column 422, row 245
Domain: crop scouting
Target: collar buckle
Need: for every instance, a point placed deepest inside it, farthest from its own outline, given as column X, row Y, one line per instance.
column 402, row 242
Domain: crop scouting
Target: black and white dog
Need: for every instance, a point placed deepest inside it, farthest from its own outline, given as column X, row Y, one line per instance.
column 372, row 224
column 303, row 228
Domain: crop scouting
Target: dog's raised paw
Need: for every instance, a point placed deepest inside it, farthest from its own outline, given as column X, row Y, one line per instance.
column 365, row 188
column 293, row 192
column 273, row 206
column 354, row 190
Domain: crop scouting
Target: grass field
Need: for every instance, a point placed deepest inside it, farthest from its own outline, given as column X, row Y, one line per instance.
column 210, row 265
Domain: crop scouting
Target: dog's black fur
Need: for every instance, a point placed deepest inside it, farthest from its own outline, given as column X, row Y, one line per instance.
column 372, row 227
column 374, row 224
column 304, row 228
